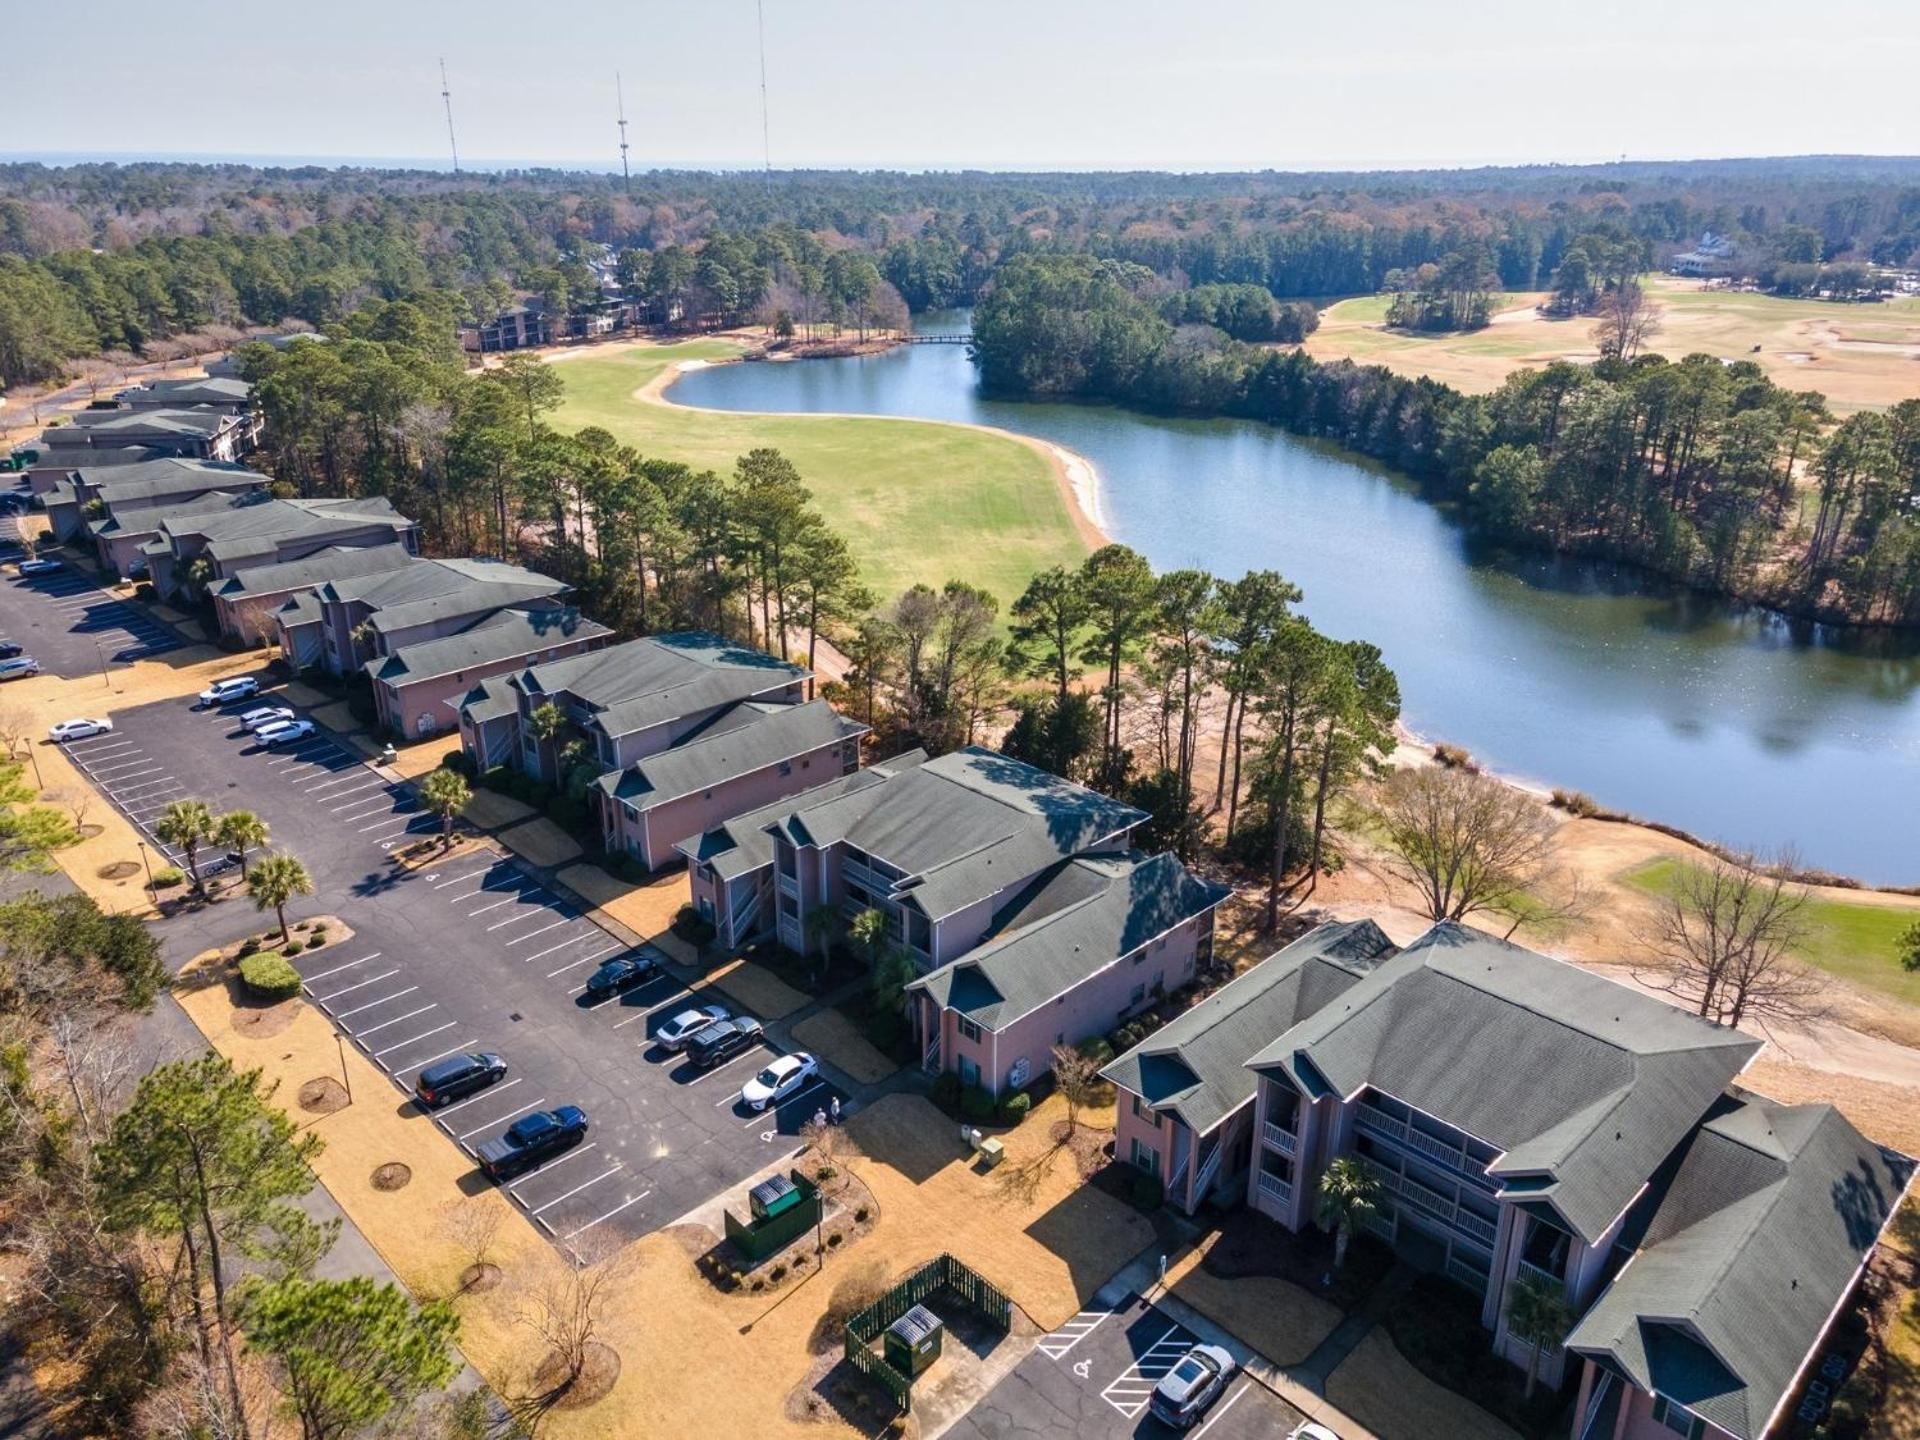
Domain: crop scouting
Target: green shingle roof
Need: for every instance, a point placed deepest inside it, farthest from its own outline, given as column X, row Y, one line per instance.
column 749, row 737
column 745, row 843
column 1073, row 922
column 1754, row 1234
column 503, row 635
column 1195, row 1066
column 660, row 678
column 423, row 591
column 313, row 570
column 1584, row 1085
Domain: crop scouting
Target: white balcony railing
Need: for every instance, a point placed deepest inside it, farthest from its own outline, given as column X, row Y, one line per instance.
column 1380, row 1122
column 1282, row 1140
column 1546, row 1277
column 1275, row 1189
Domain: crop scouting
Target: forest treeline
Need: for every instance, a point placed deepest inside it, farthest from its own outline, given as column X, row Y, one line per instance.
column 1700, row 470
column 102, row 258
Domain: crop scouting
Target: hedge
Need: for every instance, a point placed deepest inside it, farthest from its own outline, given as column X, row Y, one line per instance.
column 269, row 977
column 1014, row 1108
column 946, row 1091
column 976, row 1103
column 167, row 878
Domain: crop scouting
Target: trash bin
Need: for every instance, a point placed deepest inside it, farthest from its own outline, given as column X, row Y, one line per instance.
column 912, row 1342
column 773, row 1197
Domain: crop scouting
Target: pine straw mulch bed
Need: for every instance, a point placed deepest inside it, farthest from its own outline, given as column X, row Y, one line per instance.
column 256, row 1019
column 851, row 1213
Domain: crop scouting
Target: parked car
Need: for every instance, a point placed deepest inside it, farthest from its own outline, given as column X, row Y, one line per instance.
column 19, row 667
column 41, row 566
column 225, row 692
column 532, row 1139
column 266, row 715
column 779, row 1080
column 1185, row 1391
column 11, row 648
column 622, row 972
column 284, row 733
column 720, row 1042
column 445, row 1081
column 688, row 1023
column 78, row 730
column 1307, row 1430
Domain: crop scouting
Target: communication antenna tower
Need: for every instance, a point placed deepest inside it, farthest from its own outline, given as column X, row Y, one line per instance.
column 620, row 96
column 446, row 99
column 766, row 145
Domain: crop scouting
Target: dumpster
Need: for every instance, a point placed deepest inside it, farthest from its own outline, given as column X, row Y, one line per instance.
column 773, row 1197
column 912, row 1342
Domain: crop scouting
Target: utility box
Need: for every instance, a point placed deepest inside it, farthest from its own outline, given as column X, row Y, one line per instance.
column 913, row 1341
column 773, row 1197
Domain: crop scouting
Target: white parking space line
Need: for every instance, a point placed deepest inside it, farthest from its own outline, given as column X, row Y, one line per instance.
column 338, row 968
column 613, row 1169
column 1132, row 1390
column 587, row 959
column 402, row 818
column 511, row 899
column 362, row 808
column 556, row 949
column 371, row 1029
column 534, row 912
column 1221, row 1409
column 422, row 1064
column 1073, row 1332
column 492, row 1092
column 772, row 1112
column 455, row 880
column 608, row 1216
column 759, row 1052
column 518, row 939
column 371, row 1004
column 134, row 766
column 357, row 985
column 341, row 784
column 402, row 1044
column 503, row 1119
column 557, row 1161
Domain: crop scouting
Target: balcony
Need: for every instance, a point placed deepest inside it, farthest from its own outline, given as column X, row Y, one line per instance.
column 1464, row 1274
column 1432, row 1202
column 1275, row 1189
column 1282, row 1140
column 790, row 886
column 1380, row 1123
column 1546, row 1277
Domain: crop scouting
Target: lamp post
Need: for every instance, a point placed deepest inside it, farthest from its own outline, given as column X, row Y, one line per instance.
column 148, row 862
column 102, row 654
column 346, row 1080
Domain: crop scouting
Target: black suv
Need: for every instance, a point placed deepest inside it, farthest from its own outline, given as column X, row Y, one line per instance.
column 447, row 1080
column 719, row 1043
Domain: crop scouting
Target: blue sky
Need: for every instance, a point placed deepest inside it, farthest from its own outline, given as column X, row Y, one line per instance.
column 1004, row 84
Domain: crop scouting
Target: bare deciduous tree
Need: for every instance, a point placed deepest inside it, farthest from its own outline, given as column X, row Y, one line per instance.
column 16, row 724
column 566, row 1313
column 1727, row 936
column 1628, row 319
column 1077, row 1078
column 473, row 1224
column 1466, row 841
column 78, row 802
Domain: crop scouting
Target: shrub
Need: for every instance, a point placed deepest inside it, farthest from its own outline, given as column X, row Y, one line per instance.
column 976, row 1104
column 777, row 1274
column 319, row 932
column 1454, row 758
column 459, row 762
column 691, row 927
column 825, row 1173
column 834, row 1239
column 1574, row 802
column 293, row 947
column 568, row 814
column 1014, row 1108
column 946, row 1091
column 269, row 977
column 539, row 794
column 248, row 946
column 144, row 592
column 757, row 1285
column 316, row 940
column 497, row 777
column 302, row 925
column 1097, row 1050
column 1147, row 1192
column 167, row 877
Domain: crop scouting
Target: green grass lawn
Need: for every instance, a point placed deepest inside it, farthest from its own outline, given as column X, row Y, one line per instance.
column 1853, row 941
column 916, row 501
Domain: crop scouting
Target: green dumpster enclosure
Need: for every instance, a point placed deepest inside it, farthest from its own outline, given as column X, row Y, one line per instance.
column 913, row 1341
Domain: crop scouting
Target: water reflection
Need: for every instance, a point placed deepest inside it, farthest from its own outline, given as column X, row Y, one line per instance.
column 1720, row 718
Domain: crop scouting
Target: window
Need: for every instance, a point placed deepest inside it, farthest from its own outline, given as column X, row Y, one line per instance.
column 969, row 1072
column 1141, row 1112
column 1146, row 1158
column 1677, row 1418
column 786, row 768
column 1138, row 994
column 969, row 1030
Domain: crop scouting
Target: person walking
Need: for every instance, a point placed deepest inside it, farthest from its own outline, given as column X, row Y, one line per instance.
column 836, row 1110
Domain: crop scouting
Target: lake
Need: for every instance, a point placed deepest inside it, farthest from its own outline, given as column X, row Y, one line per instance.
column 1725, row 720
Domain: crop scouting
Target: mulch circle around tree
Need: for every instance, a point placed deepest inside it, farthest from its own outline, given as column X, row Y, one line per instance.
column 263, row 1021
column 392, row 1176
column 118, row 870
column 323, row 1096
column 478, row 1279
column 88, row 832
column 595, row 1381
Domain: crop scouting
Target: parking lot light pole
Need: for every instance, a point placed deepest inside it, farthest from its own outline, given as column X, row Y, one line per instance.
column 346, row 1080
column 146, row 860
column 34, row 756
column 104, row 681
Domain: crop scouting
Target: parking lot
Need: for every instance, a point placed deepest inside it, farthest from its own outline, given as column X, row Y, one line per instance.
column 478, row 954
column 1094, row 1376
column 74, row 628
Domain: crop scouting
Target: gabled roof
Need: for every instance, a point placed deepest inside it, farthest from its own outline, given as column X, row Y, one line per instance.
column 1074, row 921
column 659, row 678
column 314, row 569
column 491, row 699
column 141, row 481
column 1755, row 1234
column 248, row 525
column 202, row 390
column 749, row 736
column 1584, row 1085
column 1195, row 1066
column 144, row 517
column 745, row 843
column 86, row 426
column 504, row 635
column 965, row 826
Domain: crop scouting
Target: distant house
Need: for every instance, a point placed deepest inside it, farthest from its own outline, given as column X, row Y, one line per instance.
column 519, row 327
column 231, row 394
column 227, row 367
column 1712, row 256
column 201, row 432
column 248, row 532
column 1082, row 948
column 119, row 507
column 941, row 847
column 1529, row 1121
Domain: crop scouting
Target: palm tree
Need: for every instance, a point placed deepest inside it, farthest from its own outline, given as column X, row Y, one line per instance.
column 275, row 881
column 241, row 831
column 446, row 794
column 187, row 824
column 868, row 930
column 822, row 921
column 1538, row 1312
column 545, row 724
column 1349, row 1193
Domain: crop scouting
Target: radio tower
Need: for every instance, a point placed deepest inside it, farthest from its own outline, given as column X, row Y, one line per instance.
column 766, row 145
column 621, row 97
column 446, row 99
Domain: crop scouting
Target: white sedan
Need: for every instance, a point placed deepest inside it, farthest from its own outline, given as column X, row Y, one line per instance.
column 285, row 733
column 225, row 692
column 779, row 1080
column 78, row 730
column 688, row 1023
column 266, row 715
